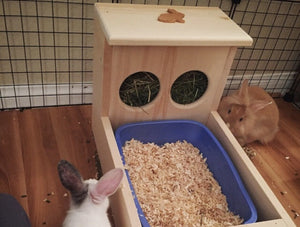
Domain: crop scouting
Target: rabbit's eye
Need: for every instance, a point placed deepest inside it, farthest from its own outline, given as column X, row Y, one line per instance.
column 241, row 119
column 229, row 111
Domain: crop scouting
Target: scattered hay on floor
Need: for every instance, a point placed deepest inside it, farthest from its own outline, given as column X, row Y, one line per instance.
column 249, row 151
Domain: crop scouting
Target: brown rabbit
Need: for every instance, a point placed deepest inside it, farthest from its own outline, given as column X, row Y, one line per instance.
column 251, row 114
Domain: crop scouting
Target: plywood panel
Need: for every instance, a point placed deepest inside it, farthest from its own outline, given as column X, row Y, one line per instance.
column 113, row 64
column 132, row 25
column 122, row 204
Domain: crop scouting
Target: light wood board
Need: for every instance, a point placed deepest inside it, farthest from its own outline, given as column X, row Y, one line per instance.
column 137, row 25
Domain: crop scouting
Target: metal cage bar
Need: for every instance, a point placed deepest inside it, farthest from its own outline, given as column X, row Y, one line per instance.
column 46, row 48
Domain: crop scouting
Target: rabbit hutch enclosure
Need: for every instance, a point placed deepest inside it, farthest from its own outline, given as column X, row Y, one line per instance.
column 150, row 79
column 124, row 47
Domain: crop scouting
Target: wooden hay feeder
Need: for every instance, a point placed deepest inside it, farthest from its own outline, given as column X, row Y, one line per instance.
column 129, row 39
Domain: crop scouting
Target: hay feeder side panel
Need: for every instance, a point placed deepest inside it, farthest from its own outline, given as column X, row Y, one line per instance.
column 129, row 39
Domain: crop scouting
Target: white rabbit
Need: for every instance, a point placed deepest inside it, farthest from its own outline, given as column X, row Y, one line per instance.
column 251, row 114
column 89, row 202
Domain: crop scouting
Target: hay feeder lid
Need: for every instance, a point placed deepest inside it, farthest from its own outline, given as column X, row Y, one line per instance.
column 137, row 25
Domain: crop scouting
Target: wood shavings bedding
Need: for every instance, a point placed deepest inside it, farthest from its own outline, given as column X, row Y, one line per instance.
column 175, row 187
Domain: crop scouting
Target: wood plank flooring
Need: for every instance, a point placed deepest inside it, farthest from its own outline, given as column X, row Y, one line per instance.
column 33, row 141
column 279, row 161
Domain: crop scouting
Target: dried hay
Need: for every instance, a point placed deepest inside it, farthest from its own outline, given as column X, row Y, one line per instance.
column 141, row 88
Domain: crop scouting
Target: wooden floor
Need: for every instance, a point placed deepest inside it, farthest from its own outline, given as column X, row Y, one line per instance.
column 31, row 144
column 33, row 141
column 279, row 161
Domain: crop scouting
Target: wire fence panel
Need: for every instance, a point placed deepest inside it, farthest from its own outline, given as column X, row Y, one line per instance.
column 46, row 53
column 272, row 62
column 46, row 48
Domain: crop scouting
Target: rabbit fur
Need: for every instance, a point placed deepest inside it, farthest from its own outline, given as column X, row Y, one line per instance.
column 89, row 201
column 251, row 114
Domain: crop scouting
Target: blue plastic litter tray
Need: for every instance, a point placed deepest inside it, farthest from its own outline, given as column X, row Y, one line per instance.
column 219, row 163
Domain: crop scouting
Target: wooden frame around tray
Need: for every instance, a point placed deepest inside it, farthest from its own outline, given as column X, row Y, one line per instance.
column 109, row 112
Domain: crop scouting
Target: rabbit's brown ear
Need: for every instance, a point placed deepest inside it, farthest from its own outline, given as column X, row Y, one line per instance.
column 243, row 92
column 233, row 100
column 72, row 180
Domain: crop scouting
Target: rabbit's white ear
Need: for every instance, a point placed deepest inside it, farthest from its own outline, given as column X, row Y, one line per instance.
column 107, row 185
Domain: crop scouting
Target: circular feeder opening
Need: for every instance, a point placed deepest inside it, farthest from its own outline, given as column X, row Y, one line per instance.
column 139, row 89
column 189, row 87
